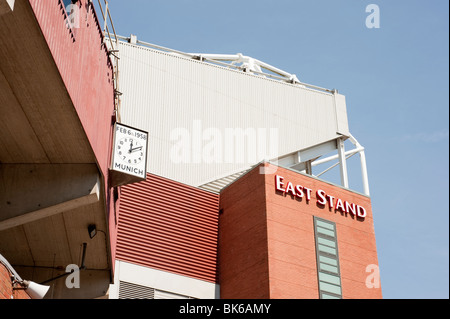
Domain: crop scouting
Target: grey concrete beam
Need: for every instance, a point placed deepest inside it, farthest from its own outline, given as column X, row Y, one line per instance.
column 29, row 192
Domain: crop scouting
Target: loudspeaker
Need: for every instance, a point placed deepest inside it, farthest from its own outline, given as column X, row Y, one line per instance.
column 35, row 290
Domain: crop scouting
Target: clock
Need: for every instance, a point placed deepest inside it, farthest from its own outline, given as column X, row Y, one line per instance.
column 129, row 154
column 130, row 150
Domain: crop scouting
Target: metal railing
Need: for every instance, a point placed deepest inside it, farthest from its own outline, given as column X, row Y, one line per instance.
column 111, row 42
column 236, row 61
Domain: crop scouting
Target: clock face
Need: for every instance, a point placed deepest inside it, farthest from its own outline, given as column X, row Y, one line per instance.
column 130, row 150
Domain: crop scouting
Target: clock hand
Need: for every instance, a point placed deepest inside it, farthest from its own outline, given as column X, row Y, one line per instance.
column 131, row 146
column 136, row 149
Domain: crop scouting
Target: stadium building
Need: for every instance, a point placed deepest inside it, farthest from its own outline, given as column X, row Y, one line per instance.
column 130, row 170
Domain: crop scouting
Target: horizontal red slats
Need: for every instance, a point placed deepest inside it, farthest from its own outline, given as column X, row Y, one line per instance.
column 160, row 204
column 173, row 255
column 145, row 234
column 169, row 226
column 197, row 246
column 150, row 190
column 155, row 203
column 167, row 220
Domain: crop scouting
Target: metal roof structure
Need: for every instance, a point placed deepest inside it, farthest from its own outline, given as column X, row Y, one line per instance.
column 163, row 90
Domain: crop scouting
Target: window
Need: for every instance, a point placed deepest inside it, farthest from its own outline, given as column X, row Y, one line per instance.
column 328, row 272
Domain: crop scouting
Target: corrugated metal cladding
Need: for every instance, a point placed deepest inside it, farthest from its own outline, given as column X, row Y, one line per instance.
column 128, row 290
column 169, row 226
column 163, row 93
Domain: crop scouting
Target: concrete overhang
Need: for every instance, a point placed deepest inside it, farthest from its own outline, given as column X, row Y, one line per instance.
column 51, row 188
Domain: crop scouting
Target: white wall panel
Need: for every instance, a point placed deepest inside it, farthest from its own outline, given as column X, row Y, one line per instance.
column 145, row 278
column 163, row 92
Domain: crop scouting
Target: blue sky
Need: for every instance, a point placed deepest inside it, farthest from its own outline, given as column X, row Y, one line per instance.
column 395, row 79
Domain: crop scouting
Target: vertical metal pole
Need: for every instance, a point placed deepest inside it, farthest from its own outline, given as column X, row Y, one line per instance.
column 365, row 179
column 105, row 17
column 343, row 162
column 308, row 168
column 83, row 256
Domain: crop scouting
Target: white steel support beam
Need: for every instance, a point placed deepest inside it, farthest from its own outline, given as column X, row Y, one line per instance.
column 362, row 156
column 343, row 162
column 336, row 164
column 365, row 179
column 342, row 156
column 334, row 157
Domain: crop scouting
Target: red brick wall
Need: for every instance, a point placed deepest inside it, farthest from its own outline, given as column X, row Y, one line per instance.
column 243, row 258
column 6, row 291
column 252, row 206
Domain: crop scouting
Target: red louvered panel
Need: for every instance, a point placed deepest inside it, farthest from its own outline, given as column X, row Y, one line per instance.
column 173, row 222
column 194, row 243
column 169, row 226
column 158, row 204
column 180, row 251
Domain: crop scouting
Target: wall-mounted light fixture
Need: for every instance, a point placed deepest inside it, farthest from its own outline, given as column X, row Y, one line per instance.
column 92, row 229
